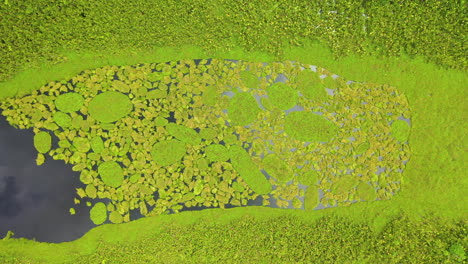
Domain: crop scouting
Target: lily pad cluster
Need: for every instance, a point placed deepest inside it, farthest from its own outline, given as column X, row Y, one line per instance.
column 121, row 136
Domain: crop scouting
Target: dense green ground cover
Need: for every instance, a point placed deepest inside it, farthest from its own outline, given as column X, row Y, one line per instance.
column 424, row 223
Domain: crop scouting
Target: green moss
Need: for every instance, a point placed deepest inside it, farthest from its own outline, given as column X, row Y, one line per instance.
column 62, row 119
column 282, row 96
column 249, row 79
column 366, row 192
column 115, row 217
column 69, row 102
column 42, row 141
column 217, row 152
column 98, row 214
column 400, row 130
column 243, row 109
column 97, row 144
column 168, row 152
column 311, row 200
column 311, row 86
column 248, row 170
column 110, row 106
column 81, row 144
column 277, row 168
column 111, row 173
column 306, row 126
column 183, row 133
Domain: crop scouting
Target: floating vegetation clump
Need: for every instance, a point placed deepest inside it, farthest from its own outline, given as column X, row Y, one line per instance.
column 69, row 102
column 400, row 130
column 42, row 142
column 306, row 126
column 111, row 173
column 109, row 106
column 169, row 129
column 282, row 96
column 98, row 213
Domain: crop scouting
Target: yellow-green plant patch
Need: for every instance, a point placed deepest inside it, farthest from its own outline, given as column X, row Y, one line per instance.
column 81, row 144
column 91, row 191
column 309, row 84
column 42, row 142
column 306, row 126
column 277, row 168
column 115, row 217
column 111, row 173
column 110, row 106
column 248, row 171
column 168, row 152
column 208, row 133
column 98, row 213
column 400, row 130
column 311, row 200
column 62, row 119
column 97, row 144
column 282, row 96
column 249, row 79
column 69, row 102
column 183, row 133
column 217, row 152
column 309, row 177
column 243, row 109
column 366, row 192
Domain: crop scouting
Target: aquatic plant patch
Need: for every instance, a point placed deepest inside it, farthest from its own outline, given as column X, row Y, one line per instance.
column 170, row 130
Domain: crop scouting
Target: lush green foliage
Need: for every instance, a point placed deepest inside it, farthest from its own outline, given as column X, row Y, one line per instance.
column 42, row 142
column 109, row 106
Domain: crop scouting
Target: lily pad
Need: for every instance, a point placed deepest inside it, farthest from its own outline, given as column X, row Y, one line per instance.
column 111, row 173
column 306, row 126
column 42, row 141
column 110, row 106
column 168, row 152
column 98, row 213
column 282, row 96
column 69, row 102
